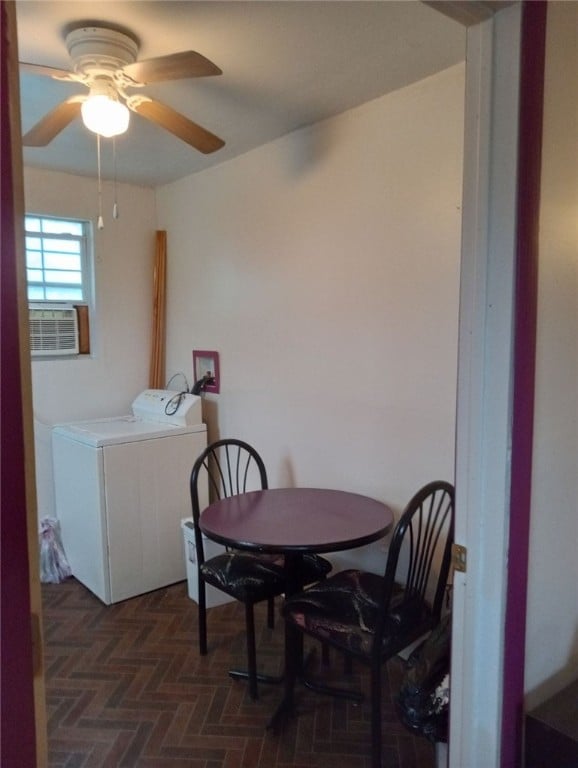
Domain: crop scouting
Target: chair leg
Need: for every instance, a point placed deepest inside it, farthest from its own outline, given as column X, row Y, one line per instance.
column 271, row 613
column 202, row 620
column 376, row 715
column 251, row 651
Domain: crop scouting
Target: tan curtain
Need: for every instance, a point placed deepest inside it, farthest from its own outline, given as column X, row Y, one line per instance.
column 157, row 368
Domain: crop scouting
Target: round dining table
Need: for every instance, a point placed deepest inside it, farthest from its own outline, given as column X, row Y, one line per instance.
column 292, row 522
column 296, row 520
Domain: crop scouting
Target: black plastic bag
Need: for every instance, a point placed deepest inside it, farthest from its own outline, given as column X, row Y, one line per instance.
column 54, row 566
column 422, row 703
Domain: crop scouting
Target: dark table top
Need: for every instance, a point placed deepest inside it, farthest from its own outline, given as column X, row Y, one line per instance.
column 296, row 519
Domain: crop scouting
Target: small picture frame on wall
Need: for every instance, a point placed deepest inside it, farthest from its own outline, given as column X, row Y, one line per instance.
column 206, row 370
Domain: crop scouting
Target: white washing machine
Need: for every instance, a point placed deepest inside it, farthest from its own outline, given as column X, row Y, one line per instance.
column 122, row 489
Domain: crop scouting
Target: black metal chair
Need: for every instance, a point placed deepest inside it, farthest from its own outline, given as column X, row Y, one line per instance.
column 233, row 467
column 370, row 617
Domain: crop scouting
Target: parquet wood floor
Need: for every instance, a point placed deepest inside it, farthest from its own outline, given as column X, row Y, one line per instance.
column 126, row 688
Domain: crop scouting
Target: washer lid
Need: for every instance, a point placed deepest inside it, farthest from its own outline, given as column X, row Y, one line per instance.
column 120, row 429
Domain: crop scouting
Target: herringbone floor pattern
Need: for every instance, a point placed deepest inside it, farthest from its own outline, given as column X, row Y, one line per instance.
column 127, row 688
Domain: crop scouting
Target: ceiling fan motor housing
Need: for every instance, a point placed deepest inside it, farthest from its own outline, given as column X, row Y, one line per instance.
column 99, row 50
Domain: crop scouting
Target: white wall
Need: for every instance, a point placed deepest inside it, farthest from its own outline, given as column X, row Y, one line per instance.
column 106, row 382
column 552, row 631
column 324, row 269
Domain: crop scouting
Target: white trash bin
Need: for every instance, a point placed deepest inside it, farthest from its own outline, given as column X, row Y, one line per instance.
column 212, row 549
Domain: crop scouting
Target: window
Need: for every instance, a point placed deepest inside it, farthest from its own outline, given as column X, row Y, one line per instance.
column 58, row 269
column 57, row 266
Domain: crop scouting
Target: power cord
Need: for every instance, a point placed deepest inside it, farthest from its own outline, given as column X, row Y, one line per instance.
column 201, row 384
column 198, row 387
column 174, row 403
column 174, row 376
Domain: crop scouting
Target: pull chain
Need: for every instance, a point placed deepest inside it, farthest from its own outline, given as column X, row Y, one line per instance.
column 115, row 206
column 100, row 223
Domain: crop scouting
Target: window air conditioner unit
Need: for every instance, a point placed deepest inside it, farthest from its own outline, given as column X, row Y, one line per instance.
column 53, row 330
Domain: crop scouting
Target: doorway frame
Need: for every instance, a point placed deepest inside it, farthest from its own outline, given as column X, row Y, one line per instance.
column 494, row 426
column 484, row 386
column 484, row 403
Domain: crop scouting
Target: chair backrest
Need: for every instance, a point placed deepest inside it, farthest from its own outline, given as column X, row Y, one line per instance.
column 232, row 467
column 420, row 553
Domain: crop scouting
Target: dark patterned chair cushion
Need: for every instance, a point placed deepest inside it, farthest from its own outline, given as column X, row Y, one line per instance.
column 343, row 610
column 246, row 578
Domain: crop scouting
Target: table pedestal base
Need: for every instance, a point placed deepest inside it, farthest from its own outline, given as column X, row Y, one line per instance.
column 242, row 674
column 286, row 706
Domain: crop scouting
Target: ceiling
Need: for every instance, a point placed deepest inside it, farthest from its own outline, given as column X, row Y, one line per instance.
column 285, row 65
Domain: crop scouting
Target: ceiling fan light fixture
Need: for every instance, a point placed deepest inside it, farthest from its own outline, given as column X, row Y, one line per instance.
column 106, row 61
column 103, row 113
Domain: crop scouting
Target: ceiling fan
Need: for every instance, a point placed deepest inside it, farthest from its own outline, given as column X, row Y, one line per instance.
column 105, row 60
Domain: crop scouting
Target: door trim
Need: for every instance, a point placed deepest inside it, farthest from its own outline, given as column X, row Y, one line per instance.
column 533, row 47
column 485, row 374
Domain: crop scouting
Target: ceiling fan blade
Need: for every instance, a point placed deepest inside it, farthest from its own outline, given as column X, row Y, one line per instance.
column 178, row 124
column 175, row 66
column 51, row 124
column 40, row 69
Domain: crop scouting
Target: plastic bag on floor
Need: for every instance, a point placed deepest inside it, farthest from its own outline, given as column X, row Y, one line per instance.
column 422, row 703
column 54, row 566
